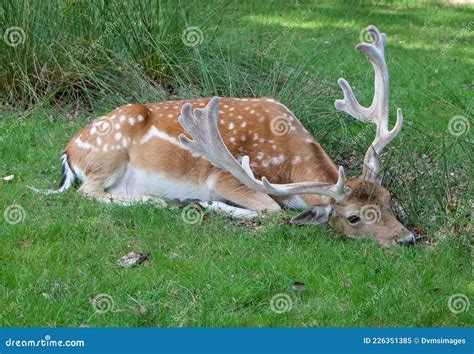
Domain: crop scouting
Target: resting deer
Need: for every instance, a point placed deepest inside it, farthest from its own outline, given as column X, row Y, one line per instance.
column 246, row 156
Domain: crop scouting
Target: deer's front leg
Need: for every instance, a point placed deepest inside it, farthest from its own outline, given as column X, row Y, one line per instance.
column 227, row 187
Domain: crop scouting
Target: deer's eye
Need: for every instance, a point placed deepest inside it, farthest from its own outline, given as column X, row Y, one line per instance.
column 353, row 219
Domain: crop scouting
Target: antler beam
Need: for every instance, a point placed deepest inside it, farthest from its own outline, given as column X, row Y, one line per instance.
column 378, row 111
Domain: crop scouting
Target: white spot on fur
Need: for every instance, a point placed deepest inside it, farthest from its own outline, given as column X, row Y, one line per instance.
column 117, row 126
column 99, row 141
column 122, row 118
column 131, row 121
column 231, row 126
column 243, row 125
column 277, row 160
column 118, row 136
column 93, row 130
column 140, row 118
column 296, row 160
column 83, row 145
column 154, row 132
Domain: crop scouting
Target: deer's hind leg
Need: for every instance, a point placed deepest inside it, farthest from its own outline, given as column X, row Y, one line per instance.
column 99, row 172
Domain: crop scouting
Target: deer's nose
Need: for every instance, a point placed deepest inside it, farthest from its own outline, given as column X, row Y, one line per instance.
column 407, row 240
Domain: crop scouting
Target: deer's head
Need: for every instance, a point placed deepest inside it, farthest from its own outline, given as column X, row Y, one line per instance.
column 363, row 210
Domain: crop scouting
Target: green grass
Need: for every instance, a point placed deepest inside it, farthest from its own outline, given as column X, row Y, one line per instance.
column 219, row 272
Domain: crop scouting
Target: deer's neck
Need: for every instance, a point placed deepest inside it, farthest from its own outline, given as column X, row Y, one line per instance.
column 316, row 167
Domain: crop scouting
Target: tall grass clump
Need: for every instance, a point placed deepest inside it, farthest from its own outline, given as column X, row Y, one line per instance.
column 92, row 51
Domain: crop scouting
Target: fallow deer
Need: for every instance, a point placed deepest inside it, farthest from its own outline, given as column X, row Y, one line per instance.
column 139, row 152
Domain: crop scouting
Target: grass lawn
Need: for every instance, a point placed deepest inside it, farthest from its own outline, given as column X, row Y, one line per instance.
column 58, row 264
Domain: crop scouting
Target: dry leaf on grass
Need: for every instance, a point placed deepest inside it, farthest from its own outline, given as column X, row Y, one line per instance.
column 8, row 178
column 298, row 286
column 132, row 259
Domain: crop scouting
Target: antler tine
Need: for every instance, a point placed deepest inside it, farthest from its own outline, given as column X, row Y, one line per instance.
column 335, row 191
column 201, row 125
column 377, row 113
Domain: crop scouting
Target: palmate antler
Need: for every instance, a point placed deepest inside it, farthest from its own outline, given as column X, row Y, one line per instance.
column 201, row 125
column 377, row 113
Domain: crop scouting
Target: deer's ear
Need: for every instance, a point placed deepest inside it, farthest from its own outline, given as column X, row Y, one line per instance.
column 316, row 215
